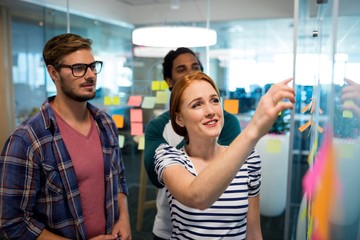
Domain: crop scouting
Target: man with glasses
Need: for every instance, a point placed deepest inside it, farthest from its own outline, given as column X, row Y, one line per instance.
column 61, row 171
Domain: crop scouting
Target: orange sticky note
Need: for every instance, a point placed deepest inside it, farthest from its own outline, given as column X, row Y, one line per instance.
column 136, row 129
column 134, row 101
column 119, row 120
column 305, row 126
column 231, row 106
column 136, row 115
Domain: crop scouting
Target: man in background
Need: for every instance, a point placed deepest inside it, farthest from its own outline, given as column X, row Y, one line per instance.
column 177, row 63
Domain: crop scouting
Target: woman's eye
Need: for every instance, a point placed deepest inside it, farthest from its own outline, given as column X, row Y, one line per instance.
column 215, row 100
column 195, row 105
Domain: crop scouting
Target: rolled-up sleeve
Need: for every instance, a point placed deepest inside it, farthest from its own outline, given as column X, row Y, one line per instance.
column 18, row 194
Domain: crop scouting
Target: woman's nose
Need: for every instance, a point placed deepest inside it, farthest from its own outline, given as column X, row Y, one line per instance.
column 209, row 112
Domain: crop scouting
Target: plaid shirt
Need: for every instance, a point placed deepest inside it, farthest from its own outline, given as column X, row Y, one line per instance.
column 38, row 187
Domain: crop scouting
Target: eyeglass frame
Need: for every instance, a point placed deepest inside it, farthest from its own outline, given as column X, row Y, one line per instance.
column 58, row 66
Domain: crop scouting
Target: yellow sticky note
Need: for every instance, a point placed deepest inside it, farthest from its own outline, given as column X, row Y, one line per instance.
column 161, row 97
column 155, row 85
column 121, row 140
column 231, row 106
column 119, row 120
column 116, row 100
column 141, row 145
column 107, row 100
column 347, row 114
column 273, row 146
column 163, row 85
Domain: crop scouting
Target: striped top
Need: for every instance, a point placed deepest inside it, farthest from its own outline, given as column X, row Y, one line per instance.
column 226, row 218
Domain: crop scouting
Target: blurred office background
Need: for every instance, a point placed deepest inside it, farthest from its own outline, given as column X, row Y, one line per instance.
column 259, row 42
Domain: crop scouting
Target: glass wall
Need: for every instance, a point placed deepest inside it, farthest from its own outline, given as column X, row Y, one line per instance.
column 324, row 201
column 250, row 56
column 111, row 44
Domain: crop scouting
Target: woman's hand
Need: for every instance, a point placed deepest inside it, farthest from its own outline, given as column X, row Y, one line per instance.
column 278, row 98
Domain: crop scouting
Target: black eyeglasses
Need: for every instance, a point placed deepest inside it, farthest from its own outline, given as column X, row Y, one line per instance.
column 80, row 69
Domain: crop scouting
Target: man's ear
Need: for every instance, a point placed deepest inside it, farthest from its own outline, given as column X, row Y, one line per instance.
column 179, row 120
column 54, row 74
column 169, row 82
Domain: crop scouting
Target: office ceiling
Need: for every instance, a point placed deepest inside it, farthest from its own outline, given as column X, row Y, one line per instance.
column 264, row 25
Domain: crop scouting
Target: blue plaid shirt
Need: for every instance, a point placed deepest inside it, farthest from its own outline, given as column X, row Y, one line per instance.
column 38, row 187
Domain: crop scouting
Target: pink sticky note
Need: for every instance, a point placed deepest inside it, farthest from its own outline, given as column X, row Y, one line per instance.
column 136, row 115
column 134, row 101
column 136, row 129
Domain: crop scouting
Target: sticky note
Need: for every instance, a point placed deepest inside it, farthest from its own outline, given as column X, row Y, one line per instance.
column 121, row 140
column 107, row 100
column 136, row 129
column 155, row 85
column 116, row 100
column 347, row 114
column 148, row 103
column 119, row 120
column 231, row 106
column 141, row 145
column 134, row 101
column 161, row 97
column 163, row 85
column 136, row 115
column 273, row 146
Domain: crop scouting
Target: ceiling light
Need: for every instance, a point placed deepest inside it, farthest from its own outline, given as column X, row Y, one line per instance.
column 151, row 52
column 174, row 36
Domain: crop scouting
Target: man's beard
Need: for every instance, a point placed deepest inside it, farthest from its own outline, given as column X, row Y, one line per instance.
column 68, row 91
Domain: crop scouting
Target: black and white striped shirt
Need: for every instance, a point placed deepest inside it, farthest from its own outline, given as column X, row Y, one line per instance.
column 226, row 218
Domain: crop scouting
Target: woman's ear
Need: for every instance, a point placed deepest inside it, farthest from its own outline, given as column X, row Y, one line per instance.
column 179, row 120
